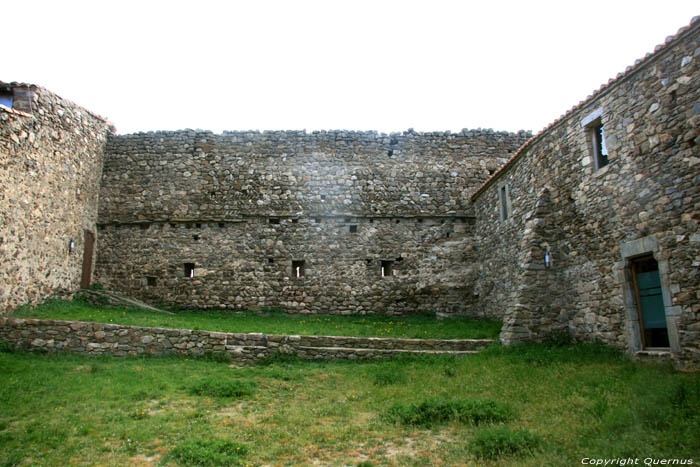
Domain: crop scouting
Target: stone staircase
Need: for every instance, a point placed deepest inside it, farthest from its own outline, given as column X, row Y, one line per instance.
column 336, row 347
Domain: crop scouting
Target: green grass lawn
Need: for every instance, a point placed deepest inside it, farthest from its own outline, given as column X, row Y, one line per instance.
column 530, row 405
column 271, row 322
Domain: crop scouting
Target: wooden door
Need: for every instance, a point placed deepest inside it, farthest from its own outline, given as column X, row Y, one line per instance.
column 87, row 259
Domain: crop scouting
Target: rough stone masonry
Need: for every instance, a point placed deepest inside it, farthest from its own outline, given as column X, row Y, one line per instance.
column 546, row 233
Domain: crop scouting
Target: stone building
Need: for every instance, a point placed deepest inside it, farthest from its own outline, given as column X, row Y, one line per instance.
column 590, row 227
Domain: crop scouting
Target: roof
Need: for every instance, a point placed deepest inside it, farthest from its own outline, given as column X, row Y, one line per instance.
column 695, row 22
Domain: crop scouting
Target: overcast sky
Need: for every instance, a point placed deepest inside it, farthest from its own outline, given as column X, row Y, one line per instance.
column 356, row 65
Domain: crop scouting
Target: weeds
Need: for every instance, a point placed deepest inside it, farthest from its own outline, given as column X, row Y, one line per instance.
column 435, row 412
column 221, row 388
column 499, row 441
column 208, row 452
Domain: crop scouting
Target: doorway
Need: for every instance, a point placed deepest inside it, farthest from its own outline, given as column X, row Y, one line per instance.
column 87, row 259
column 650, row 303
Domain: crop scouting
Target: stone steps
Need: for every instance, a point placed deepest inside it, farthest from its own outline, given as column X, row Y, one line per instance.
column 322, row 353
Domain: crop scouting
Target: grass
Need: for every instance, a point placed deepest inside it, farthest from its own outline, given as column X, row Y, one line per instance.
column 271, row 321
column 566, row 403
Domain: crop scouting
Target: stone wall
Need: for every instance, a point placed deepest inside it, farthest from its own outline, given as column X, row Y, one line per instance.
column 241, row 207
column 50, row 166
column 119, row 340
column 646, row 200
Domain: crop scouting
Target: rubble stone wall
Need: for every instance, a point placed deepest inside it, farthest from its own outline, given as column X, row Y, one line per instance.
column 649, row 194
column 120, row 340
column 241, row 207
column 50, row 165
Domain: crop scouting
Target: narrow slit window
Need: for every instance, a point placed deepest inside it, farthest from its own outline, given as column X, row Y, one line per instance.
column 504, row 202
column 387, row 268
column 189, row 270
column 600, row 151
column 298, row 269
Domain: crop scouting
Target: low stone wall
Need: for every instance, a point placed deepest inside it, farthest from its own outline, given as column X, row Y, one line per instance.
column 120, row 340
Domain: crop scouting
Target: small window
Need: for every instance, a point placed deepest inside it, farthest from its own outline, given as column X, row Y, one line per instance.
column 144, row 226
column 600, row 151
column 270, row 260
column 199, row 226
column 317, row 220
column 222, row 225
column 189, row 269
column 6, row 97
column 274, row 220
column 323, row 197
column 353, row 229
column 151, row 281
column 387, row 268
column 295, row 221
column 298, row 269
column 504, row 202
column 195, row 238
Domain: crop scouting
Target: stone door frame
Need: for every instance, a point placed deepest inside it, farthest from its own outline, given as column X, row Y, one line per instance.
column 645, row 246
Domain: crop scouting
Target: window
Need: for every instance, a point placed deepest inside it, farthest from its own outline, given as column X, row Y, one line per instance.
column 600, row 151
column 593, row 125
column 387, row 268
column 504, row 201
column 6, row 97
column 298, row 269
column 274, row 220
column 189, row 269
column 353, row 229
column 150, row 281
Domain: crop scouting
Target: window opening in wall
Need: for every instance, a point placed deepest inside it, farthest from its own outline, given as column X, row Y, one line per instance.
column 270, row 260
column 222, row 225
column 195, row 237
column 398, row 221
column 295, row 221
column 323, row 197
column 447, row 235
column 274, row 220
column 353, row 229
column 189, row 269
column 6, row 97
column 600, row 151
column 419, row 221
column 144, row 226
column 173, row 225
column 317, row 220
column 151, row 281
column 298, row 268
column 504, row 202
column 368, row 261
column 650, row 303
column 387, row 268
column 199, row 226
column 491, row 172
column 371, row 221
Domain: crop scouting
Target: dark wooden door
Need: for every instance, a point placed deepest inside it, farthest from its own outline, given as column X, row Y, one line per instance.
column 87, row 259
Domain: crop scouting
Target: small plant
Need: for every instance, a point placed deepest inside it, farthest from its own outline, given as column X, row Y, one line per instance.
column 279, row 358
column 388, row 375
column 6, row 347
column 435, row 411
column 499, row 441
column 208, row 452
column 96, row 286
column 219, row 357
column 223, row 388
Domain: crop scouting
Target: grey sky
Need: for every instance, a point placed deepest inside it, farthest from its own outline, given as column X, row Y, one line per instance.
column 359, row 65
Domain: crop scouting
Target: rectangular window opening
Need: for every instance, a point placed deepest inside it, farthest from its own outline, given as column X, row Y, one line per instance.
column 504, row 201
column 298, row 268
column 151, row 281
column 600, row 151
column 353, row 229
column 387, row 268
column 189, row 269
column 6, row 97
column 274, row 220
